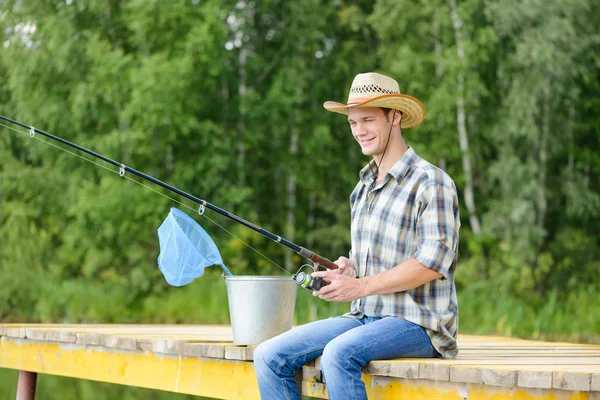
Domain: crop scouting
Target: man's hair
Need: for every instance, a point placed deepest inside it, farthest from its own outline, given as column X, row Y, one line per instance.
column 386, row 112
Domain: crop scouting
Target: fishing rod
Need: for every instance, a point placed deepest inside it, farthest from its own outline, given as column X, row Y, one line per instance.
column 304, row 280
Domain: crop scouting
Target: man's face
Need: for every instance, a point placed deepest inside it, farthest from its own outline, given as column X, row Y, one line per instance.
column 370, row 128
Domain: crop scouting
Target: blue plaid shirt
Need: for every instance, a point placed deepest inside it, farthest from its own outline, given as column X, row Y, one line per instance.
column 412, row 213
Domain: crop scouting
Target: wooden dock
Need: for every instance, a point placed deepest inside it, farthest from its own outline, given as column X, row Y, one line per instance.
column 202, row 360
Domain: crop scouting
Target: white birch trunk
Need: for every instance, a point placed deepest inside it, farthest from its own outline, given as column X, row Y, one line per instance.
column 462, row 128
column 290, row 226
column 312, row 205
column 571, row 144
column 543, row 150
column 241, row 145
column 438, row 81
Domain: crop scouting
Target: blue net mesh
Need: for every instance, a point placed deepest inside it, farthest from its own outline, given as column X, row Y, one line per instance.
column 185, row 249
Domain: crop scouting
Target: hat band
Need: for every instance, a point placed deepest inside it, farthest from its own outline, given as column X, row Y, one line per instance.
column 358, row 100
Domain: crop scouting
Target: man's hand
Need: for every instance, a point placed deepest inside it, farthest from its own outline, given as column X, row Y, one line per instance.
column 345, row 267
column 340, row 287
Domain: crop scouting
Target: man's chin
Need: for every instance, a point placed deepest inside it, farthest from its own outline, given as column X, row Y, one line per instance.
column 367, row 152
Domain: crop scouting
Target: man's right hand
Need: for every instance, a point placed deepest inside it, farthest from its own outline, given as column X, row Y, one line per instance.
column 345, row 267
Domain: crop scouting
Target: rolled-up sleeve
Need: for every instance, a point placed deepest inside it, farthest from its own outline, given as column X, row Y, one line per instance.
column 437, row 226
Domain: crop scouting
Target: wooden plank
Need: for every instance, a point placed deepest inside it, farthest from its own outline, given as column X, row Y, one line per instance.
column 19, row 333
column 216, row 350
column 550, row 352
column 535, row 379
column 465, row 375
column 35, row 334
column 408, row 370
column 498, row 377
column 168, row 346
column 199, row 332
column 208, row 350
column 243, row 353
column 144, row 345
column 94, row 339
column 60, row 336
column 573, row 381
column 194, row 349
column 314, row 389
column 318, row 362
column 592, row 361
column 118, row 342
column 434, row 371
column 595, row 384
column 311, row 374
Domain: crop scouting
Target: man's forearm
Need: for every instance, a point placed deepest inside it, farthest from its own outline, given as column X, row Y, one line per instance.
column 405, row 276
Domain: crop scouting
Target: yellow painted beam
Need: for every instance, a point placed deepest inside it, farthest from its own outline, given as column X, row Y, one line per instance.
column 211, row 378
column 382, row 388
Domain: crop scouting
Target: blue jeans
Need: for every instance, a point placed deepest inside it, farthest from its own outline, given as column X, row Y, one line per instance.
column 347, row 345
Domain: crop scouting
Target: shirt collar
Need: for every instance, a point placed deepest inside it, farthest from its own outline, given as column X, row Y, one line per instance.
column 397, row 171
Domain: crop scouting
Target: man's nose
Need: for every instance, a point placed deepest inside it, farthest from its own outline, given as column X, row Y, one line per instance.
column 360, row 129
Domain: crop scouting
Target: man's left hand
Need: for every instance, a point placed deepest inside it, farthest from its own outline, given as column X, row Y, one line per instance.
column 339, row 287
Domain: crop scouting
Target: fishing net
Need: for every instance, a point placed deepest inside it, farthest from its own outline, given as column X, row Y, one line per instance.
column 185, row 249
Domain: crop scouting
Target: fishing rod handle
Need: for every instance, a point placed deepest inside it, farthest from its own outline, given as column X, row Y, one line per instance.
column 317, row 259
column 322, row 261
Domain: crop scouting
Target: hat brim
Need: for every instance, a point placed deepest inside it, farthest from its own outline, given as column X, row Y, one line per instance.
column 413, row 112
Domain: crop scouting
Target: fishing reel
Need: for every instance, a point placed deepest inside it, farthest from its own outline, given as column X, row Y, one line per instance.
column 307, row 281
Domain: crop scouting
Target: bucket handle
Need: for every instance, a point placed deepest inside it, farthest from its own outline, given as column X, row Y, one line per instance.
column 226, row 270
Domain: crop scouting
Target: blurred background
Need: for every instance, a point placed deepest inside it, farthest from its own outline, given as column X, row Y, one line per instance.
column 223, row 99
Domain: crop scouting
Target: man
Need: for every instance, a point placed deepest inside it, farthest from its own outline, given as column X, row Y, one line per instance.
column 400, row 273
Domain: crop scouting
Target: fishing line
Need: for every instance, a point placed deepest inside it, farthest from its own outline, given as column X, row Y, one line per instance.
column 149, row 188
column 302, row 251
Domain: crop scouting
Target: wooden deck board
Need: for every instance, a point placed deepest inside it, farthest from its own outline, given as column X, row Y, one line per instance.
column 483, row 361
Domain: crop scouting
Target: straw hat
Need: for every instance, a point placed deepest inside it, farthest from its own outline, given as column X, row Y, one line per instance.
column 376, row 90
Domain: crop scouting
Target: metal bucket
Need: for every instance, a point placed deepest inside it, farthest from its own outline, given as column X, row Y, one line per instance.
column 260, row 307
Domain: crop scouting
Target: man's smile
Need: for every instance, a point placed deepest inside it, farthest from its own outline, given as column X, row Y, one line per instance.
column 363, row 141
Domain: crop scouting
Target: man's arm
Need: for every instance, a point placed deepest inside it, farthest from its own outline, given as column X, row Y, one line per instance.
column 404, row 276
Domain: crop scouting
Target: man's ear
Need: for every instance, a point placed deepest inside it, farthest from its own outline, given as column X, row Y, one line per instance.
column 397, row 117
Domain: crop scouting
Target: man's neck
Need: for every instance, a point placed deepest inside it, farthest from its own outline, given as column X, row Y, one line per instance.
column 390, row 158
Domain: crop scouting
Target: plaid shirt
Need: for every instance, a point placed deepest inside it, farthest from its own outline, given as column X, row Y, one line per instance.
column 413, row 213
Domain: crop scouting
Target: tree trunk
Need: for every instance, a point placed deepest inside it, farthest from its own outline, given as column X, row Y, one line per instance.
column 571, row 148
column 241, row 145
column 462, row 128
column 438, row 82
column 543, row 150
column 312, row 205
column 290, row 226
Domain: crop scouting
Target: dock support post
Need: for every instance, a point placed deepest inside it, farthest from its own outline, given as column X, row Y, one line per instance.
column 26, row 385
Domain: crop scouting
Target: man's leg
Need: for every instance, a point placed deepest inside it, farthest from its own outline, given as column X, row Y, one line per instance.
column 345, row 356
column 277, row 359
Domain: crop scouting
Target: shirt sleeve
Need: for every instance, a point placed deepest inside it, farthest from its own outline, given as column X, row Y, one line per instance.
column 437, row 226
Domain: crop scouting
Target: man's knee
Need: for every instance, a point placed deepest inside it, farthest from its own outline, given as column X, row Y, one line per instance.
column 334, row 353
column 272, row 354
column 264, row 355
